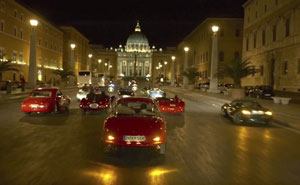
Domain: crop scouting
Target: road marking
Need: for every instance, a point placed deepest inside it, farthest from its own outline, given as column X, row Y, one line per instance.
column 288, row 128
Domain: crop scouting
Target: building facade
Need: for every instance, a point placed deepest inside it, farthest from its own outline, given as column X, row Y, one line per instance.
column 272, row 43
column 199, row 42
column 15, row 42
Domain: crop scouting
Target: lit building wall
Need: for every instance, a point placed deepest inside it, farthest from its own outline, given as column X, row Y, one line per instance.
column 15, row 42
column 272, row 43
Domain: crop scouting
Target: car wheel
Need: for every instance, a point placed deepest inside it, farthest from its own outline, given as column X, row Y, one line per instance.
column 224, row 114
column 162, row 149
column 236, row 119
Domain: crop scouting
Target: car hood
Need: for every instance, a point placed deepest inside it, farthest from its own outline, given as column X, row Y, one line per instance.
column 131, row 125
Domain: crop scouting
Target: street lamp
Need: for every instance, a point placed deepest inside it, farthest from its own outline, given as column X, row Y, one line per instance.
column 213, row 85
column 72, row 62
column 99, row 61
column 165, row 72
column 32, row 75
column 185, row 66
column 173, row 71
column 90, row 61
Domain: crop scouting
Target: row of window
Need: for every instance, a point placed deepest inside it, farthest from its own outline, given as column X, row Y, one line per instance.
column 263, row 36
column 285, row 68
column 206, row 35
column 265, row 9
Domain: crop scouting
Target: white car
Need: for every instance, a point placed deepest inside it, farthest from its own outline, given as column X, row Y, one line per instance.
column 81, row 94
column 156, row 93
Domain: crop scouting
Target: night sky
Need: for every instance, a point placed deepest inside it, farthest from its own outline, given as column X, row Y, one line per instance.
column 110, row 22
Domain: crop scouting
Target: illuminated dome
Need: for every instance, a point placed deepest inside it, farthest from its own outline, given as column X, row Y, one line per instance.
column 137, row 41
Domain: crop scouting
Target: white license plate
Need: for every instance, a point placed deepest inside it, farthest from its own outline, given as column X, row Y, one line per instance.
column 134, row 138
column 34, row 106
column 172, row 105
column 94, row 105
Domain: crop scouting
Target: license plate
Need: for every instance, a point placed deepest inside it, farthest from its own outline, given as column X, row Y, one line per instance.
column 101, row 106
column 34, row 106
column 171, row 109
column 134, row 138
column 267, row 94
column 172, row 105
column 94, row 105
column 258, row 112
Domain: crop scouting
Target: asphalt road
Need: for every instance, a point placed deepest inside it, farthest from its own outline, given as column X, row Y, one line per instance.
column 202, row 148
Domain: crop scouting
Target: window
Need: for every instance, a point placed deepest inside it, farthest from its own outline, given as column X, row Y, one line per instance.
column 221, row 56
column 206, row 56
column 287, row 28
column 274, row 33
column 21, row 34
column 256, row 14
column 261, row 70
column 276, row 2
column 2, row 26
column 40, row 62
column 266, row 8
column 247, row 44
column 21, row 17
column 21, row 57
column 3, row 6
column 39, row 41
column 236, row 55
column 253, row 68
column 14, row 76
column 15, row 13
column 15, row 31
column 222, row 33
column 299, row 66
column 237, row 32
column 285, row 68
column 1, row 54
column 264, row 37
column 254, row 40
column 14, row 57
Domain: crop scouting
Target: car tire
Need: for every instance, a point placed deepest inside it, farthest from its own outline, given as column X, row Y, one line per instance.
column 223, row 113
column 162, row 149
column 236, row 119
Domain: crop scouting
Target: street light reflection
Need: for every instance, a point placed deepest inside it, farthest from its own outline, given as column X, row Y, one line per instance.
column 106, row 177
column 157, row 175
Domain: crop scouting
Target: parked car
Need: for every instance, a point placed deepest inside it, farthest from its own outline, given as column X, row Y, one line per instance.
column 134, row 122
column 263, row 92
column 156, row 93
column 246, row 111
column 170, row 105
column 44, row 100
column 248, row 90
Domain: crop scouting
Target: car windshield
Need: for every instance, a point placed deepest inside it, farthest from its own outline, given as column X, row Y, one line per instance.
column 136, row 109
column 41, row 94
column 250, row 104
column 156, row 94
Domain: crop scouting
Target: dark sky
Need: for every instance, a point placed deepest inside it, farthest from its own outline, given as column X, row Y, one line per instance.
column 110, row 22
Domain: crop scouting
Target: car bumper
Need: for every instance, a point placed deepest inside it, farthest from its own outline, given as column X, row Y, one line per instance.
column 253, row 120
column 100, row 107
column 172, row 110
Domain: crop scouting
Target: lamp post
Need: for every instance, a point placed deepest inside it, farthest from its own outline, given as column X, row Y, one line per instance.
column 90, row 62
column 213, row 87
column 32, row 74
column 72, row 62
column 99, row 62
column 173, row 71
column 165, row 72
column 185, row 79
column 105, row 65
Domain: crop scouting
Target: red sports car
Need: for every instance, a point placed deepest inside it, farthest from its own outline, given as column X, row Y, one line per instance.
column 171, row 105
column 134, row 122
column 45, row 100
column 95, row 102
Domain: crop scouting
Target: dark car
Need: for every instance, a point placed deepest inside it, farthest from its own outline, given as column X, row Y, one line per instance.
column 124, row 93
column 246, row 111
column 263, row 92
column 248, row 90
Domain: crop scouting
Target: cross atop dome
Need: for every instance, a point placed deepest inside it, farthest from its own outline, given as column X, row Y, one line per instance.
column 137, row 27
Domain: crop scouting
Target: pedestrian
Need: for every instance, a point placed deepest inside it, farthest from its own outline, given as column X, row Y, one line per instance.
column 23, row 83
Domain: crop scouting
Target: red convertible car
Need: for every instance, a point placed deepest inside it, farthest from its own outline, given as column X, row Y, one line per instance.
column 171, row 105
column 95, row 102
column 134, row 122
column 45, row 100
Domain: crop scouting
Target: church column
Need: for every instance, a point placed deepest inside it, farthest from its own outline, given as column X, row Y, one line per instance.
column 143, row 69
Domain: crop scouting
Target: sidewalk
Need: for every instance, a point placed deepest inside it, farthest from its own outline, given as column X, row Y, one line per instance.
column 19, row 94
column 285, row 115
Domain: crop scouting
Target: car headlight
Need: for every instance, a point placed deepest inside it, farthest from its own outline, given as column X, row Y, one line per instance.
column 246, row 112
column 110, row 138
column 269, row 113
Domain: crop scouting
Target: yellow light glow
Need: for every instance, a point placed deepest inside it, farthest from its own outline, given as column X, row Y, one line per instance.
column 90, row 55
column 110, row 137
column 105, row 177
column 156, row 139
column 99, row 61
column 173, row 58
column 73, row 46
column 166, row 62
column 186, row 49
column 246, row 112
column 105, row 64
column 269, row 113
column 34, row 22
column 215, row 29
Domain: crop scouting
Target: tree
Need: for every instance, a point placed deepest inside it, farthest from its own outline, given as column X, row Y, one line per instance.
column 191, row 73
column 236, row 69
column 64, row 74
